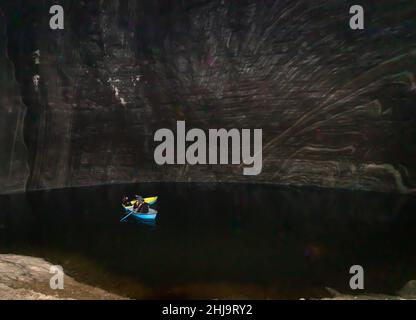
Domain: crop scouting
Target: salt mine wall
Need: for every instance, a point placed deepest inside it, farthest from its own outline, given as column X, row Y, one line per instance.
column 80, row 106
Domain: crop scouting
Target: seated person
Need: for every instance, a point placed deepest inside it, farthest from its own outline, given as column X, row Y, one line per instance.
column 144, row 207
column 140, row 206
column 125, row 201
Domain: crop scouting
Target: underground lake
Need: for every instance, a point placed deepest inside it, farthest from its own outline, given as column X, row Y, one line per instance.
column 217, row 240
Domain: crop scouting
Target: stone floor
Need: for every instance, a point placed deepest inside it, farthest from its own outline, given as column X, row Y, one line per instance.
column 28, row 278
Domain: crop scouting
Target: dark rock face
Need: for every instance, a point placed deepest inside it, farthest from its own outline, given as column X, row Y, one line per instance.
column 336, row 106
column 13, row 153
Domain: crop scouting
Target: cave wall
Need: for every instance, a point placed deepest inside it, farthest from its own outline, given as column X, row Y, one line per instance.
column 13, row 154
column 337, row 106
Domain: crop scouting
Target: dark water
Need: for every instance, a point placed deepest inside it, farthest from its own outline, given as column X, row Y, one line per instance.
column 218, row 241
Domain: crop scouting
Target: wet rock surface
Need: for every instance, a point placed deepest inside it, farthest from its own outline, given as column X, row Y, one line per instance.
column 27, row 278
column 336, row 106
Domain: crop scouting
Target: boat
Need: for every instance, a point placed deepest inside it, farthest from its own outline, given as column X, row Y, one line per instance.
column 151, row 215
column 149, row 200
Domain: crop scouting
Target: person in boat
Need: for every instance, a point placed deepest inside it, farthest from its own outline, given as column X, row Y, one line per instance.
column 125, row 201
column 140, row 206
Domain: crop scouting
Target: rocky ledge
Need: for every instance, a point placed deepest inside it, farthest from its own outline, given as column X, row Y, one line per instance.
column 408, row 292
column 27, row 278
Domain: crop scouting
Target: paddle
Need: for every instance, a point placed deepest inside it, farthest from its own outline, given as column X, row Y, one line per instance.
column 125, row 217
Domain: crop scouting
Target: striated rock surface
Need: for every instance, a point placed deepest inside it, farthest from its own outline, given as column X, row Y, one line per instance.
column 336, row 106
column 27, row 278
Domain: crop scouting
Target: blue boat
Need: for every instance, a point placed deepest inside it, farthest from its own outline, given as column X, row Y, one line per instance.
column 151, row 215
